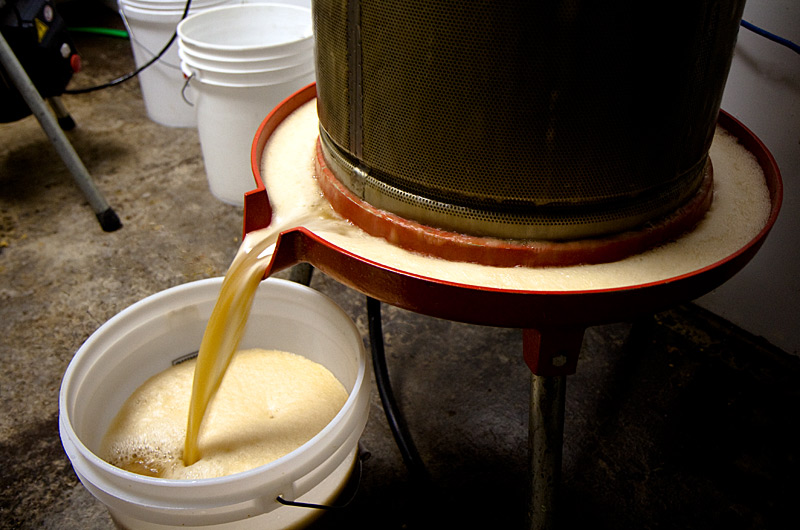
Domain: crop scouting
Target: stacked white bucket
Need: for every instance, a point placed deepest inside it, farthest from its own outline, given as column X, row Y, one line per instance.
column 242, row 60
column 151, row 24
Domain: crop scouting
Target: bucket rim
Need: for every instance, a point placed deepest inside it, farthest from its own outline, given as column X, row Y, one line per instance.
column 284, row 49
column 177, row 9
column 200, row 65
column 216, row 10
column 204, row 55
column 155, row 4
column 176, row 6
column 222, row 80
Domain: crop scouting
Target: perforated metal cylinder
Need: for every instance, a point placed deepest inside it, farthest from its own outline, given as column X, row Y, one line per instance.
column 524, row 119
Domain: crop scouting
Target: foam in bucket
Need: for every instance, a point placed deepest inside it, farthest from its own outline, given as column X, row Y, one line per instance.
column 144, row 339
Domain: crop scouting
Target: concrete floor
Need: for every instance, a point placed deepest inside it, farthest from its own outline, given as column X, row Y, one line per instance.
column 677, row 421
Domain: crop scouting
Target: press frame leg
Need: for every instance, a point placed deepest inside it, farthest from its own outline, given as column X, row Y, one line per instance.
column 545, row 446
column 551, row 354
column 105, row 215
column 63, row 116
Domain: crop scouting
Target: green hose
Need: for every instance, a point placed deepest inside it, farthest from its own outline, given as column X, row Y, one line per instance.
column 108, row 32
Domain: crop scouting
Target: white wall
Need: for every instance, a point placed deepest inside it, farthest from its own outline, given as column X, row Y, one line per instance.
column 763, row 91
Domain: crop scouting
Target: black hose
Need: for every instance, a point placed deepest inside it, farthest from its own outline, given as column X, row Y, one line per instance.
column 396, row 421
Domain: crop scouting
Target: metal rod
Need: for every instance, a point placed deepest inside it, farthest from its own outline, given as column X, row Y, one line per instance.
column 545, row 440
column 28, row 91
column 65, row 121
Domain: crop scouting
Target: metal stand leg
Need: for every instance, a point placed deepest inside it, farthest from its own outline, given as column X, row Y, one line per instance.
column 107, row 217
column 545, row 440
column 551, row 354
column 65, row 121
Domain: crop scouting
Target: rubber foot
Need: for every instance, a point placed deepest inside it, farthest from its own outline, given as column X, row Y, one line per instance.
column 66, row 123
column 109, row 220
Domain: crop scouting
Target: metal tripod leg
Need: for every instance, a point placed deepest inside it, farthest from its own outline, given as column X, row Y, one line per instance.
column 107, row 217
column 65, row 121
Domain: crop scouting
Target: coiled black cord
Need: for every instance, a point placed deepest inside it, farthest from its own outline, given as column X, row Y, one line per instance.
column 136, row 72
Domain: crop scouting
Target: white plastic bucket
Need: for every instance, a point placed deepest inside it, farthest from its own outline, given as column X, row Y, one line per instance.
column 223, row 52
column 227, row 120
column 150, row 29
column 259, row 31
column 144, row 339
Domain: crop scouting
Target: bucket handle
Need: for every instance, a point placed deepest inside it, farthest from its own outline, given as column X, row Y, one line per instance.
column 351, row 488
column 185, row 86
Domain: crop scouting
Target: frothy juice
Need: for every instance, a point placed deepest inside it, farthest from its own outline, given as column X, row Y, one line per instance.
column 142, row 437
column 224, row 331
column 229, row 317
column 269, row 403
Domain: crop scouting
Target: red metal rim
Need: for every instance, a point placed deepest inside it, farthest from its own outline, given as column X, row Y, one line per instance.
column 257, row 210
column 498, row 307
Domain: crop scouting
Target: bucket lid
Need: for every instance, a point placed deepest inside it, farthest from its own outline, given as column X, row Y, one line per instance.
column 274, row 29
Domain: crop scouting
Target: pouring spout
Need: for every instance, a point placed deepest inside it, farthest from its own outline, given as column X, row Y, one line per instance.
column 257, row 211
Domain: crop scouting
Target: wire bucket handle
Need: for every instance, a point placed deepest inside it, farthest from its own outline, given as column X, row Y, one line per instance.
column 350, row 489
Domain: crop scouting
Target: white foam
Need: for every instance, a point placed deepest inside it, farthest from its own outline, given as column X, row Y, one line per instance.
column 739, row 211
column 269, row 403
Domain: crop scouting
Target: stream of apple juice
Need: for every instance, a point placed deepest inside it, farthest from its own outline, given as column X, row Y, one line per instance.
column 229, row 317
